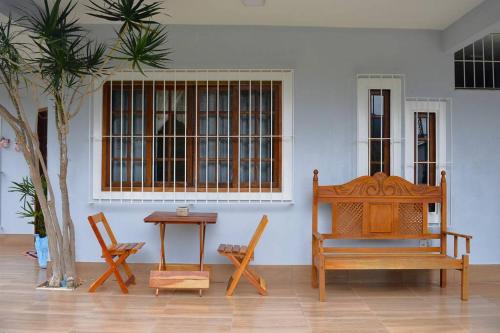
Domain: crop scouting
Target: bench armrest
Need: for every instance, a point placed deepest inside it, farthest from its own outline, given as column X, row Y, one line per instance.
column 322, row 237
column 456, row 234
column 455, row 241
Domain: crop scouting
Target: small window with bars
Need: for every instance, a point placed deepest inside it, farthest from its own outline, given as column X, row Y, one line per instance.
column 192, row 136
column 379, row 137
column 477, row 66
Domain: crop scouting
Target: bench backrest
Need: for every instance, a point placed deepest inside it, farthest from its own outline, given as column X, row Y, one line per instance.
column 380, row 207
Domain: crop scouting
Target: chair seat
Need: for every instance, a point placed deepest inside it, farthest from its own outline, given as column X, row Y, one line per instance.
column 120, row 248
column 391, row 261
column 235, row 250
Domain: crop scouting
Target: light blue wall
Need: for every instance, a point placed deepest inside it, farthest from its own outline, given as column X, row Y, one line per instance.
column 326, row 62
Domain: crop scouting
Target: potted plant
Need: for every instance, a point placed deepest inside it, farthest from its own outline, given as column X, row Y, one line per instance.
column 30, row 209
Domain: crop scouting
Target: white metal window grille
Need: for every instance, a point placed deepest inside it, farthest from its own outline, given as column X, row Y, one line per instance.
column 477, row 66
column 194, row 136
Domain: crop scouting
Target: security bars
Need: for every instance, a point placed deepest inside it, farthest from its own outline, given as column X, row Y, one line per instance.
column 188, row 137
column 477, row 66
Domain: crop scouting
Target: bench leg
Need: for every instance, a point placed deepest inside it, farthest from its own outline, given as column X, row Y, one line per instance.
column 442, row 278
column 321, row 278
column 314, row 275
column 465, row 278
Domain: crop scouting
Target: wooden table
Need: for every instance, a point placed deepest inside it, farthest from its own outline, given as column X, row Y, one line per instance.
column 164, row 218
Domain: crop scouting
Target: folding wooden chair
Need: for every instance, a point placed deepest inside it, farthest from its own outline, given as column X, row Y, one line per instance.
column 120, row 250
column 240, row 257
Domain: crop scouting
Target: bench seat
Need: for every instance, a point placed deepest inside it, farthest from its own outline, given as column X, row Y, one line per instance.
column 390, row 261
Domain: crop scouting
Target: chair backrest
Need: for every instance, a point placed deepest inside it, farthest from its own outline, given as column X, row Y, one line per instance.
column 380, row 207
column 257, row 234
column 100, row 218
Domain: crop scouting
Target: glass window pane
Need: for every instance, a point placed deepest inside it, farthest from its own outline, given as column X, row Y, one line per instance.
column 244, row 172
column 244, row 124
column 180, row 103
column 138, row 124
column 478, row 50
column 244, row 99
column 488, row 50
column 180, row 124
column 139, row 101
column 376, row 152
column 497, row 75
column 223, row 98
column 488, row 74
column 137, row 170
column 158, row 171
column 422, row 151
column 479, row 74
column 119, row 174
column 459, row 74
column 469, row 52
column 459, row 55
column 138, row 147
column 496, row 46
column 224, row 124
column 161, row 123
column 265, row 169
column 469, row 74
column 421, row 173
column 207, row 173
column 212, row 99
column 161, row 99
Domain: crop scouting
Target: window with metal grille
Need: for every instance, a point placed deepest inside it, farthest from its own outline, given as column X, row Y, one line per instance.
column 210, row 136
column 477, row 66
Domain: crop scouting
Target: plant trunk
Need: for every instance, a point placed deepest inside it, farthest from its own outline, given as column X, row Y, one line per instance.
column 68, row 226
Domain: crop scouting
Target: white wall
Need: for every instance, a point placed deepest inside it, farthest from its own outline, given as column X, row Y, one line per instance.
column 326, row 62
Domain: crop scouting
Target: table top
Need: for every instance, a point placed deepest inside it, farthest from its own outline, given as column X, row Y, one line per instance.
column 173, row 218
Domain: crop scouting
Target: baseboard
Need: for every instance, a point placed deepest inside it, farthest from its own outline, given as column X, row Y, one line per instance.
column 302, row 274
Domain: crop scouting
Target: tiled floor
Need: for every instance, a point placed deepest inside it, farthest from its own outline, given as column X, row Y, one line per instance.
column 292, row 305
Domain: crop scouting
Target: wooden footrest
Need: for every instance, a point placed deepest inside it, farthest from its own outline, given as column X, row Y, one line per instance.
column 179, row 279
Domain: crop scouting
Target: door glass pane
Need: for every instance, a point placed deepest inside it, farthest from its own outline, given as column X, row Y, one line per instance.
column 379, row 131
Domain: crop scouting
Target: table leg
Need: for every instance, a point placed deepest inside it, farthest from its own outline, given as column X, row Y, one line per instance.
column 162, row 265
column 202, row 247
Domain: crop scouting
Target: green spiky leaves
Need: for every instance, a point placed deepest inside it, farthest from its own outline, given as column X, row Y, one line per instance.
column 10, row 57
column 65, row 53
column 132, row 14
column 144, row 47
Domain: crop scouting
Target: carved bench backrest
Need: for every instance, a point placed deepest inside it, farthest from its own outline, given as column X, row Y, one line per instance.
column 380, row 207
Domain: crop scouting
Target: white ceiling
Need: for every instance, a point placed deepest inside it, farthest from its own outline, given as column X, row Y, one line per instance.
column 398, row 14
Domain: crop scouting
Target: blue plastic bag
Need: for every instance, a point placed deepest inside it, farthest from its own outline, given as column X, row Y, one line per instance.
column 42, row 250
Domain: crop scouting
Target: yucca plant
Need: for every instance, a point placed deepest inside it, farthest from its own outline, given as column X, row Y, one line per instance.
column 30, row 206
column 64, row 63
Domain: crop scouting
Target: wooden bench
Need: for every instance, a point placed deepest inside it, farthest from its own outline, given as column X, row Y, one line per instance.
column 384, row 208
